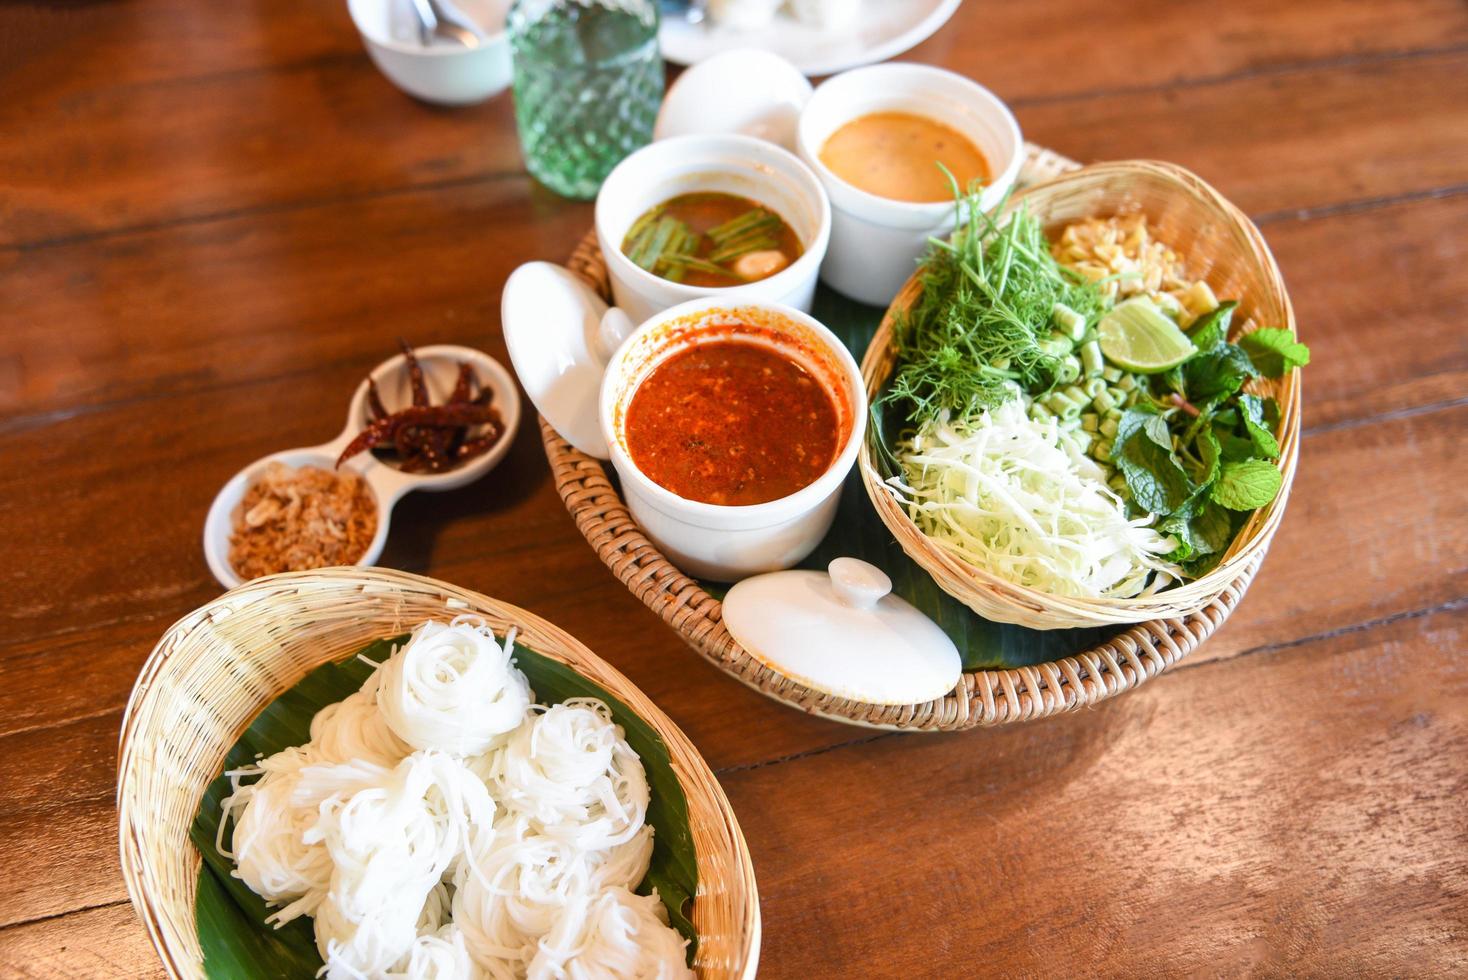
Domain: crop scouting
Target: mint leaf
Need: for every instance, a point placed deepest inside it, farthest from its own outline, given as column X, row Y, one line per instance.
column 1251, row 409
column 1245, row 485
column 1271, row 414
column 1132, row 420
column 1209, row 453
column 1178, row 527
column 1274, row 352
column 1199, row 567
column 1172, row 379
column 1233, row 448
column 1211, row 329
column 1156, row 480
column 1155, row 428
column 1211, row 530
column 1220, row 372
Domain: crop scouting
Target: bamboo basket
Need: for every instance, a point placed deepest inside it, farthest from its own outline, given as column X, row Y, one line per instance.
column 983, row 698
column 216, row 668
column 1219, row 244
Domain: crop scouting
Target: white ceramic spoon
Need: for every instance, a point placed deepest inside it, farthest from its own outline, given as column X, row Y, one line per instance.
column 387, row 483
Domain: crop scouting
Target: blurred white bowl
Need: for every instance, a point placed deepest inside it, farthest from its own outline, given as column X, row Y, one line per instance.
column 745, row 91
column 445, row 74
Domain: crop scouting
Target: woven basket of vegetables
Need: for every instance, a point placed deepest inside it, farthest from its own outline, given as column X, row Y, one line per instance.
column 1087, row 406
column 253, row 667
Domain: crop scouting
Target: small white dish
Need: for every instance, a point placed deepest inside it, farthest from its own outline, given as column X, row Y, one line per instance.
column 875, row 241
column 883, row 29
column 843, row 633
column 387, row 483
column 714, row 541
column 730, row 164
column 747, row 91
column 443, row 73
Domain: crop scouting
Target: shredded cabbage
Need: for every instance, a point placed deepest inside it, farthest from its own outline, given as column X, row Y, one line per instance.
column 1018, row 498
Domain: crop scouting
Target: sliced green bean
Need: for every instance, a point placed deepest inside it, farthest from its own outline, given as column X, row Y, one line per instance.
column 1091, row 359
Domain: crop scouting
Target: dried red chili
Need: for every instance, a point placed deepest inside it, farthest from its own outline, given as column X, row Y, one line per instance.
column 426, row 437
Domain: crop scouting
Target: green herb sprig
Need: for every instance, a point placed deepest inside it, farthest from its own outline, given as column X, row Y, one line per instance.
column 984, row 315
column 1201, row 452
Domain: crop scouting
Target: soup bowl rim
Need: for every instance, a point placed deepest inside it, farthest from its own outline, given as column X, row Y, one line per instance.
column 733, row 516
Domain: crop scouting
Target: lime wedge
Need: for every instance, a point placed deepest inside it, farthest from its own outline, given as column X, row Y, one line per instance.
column 1137, row 336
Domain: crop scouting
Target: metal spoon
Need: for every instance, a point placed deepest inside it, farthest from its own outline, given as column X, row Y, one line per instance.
column 449, row 13
column 437, row 21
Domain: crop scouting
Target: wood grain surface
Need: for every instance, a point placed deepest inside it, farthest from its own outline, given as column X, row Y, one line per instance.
column 215, row 217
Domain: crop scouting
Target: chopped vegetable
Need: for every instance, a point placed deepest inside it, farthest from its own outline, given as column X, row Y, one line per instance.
column 711, row 239
column 1017, row 497
column 1008, row 350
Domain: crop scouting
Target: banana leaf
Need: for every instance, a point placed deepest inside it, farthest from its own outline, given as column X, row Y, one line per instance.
column 236, row 941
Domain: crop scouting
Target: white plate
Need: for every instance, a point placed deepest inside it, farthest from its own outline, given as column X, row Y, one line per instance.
column 885, row 29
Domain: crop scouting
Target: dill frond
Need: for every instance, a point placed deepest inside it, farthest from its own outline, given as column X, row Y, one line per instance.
column 988, row 294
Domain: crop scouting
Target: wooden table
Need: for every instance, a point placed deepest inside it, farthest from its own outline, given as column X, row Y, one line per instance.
column 215, row 217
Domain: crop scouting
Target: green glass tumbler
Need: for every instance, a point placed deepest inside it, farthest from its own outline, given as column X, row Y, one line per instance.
column 588, row 82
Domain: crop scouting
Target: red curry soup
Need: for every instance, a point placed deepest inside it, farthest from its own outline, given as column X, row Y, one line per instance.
column 732, row 422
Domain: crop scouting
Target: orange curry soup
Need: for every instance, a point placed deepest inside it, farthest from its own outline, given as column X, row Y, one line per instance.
column 896, row 155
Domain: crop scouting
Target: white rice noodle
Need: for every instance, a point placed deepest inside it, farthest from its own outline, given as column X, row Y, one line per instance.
column 453, row 688
column 569, row 769
column 392, row 843
column 616, row 935
column 514, row 894
column 439, row 955
column 356, row 944
column 626, row 864
column 439, row 826
column 354, row 728
column 269, row 851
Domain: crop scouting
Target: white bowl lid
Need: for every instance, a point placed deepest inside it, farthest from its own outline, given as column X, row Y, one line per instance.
column 560, row 335
column 746, row 91
column 843, row 633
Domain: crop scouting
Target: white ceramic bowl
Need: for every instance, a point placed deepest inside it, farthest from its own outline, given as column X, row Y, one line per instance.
column 747, row 91
column 740, row 165
column 713, row 541
column 387, row 483
column 875, row 241
column 444, row 74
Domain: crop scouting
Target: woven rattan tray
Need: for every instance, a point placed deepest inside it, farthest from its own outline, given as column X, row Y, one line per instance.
column 985, row 697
